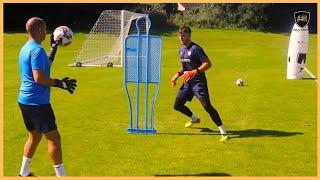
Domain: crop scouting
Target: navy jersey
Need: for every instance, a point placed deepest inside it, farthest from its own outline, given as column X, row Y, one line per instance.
column 192, row 57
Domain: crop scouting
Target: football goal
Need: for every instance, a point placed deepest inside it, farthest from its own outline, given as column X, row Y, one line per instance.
column 104, row 44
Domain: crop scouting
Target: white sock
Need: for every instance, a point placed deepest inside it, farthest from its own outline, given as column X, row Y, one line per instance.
column 25, row 166
column 194, row 117
column 59, row 169
column 222, row 129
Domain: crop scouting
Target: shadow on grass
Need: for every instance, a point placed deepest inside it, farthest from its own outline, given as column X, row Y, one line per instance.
column 200, row 174
column 240, row 133
column 203, row 132
column 261, row 133
column 309, row 78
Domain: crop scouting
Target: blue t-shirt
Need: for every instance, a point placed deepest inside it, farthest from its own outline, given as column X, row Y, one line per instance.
column 33, row 57
column 192, row 57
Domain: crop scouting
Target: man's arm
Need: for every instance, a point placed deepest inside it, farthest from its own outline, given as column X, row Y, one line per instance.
column 187, row 75
column 65, row 83
column 53, row 47
column 190, row 74
column 42, row 79
column 205, row 65
column 176, row 77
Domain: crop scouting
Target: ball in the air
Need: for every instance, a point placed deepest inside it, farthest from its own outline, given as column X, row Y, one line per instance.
column 240, row 82
column 65, row 33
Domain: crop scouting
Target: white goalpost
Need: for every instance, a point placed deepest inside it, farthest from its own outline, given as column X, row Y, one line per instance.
column 105, row 42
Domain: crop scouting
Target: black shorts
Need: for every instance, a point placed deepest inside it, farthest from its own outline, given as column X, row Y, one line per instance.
column 194, row 88
column 39, row 117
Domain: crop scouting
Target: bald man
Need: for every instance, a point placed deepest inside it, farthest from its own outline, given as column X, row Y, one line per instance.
column 34, row 96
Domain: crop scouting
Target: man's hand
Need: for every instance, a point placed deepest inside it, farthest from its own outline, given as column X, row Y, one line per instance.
column 187, row 75
column 55, row 42
column 174, row 79
column 67, row 84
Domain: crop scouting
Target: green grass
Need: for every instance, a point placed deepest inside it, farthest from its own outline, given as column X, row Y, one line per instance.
column 272, row 120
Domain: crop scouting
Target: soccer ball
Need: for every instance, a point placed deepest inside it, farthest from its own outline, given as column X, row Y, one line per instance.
column 240, row 82
column 64, row 32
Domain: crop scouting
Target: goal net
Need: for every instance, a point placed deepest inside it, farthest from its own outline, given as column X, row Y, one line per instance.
column 105, row 42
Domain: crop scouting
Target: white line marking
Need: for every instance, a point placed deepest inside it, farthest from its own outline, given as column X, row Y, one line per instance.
column 310, row 73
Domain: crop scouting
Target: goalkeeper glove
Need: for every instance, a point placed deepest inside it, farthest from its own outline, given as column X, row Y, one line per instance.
column 187, row 75
column 54, row 45
column 66, row 84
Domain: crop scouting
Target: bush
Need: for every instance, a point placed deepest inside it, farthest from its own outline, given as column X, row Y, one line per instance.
column 244, row 16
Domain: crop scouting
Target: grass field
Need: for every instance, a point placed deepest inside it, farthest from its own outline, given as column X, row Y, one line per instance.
column 272, row 121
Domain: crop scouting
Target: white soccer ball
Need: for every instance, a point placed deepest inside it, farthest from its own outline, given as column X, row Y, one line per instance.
column 240, row 82
column 64, row 32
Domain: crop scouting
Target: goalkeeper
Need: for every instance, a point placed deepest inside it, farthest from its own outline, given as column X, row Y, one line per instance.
column 194, row 63
column 34, row 96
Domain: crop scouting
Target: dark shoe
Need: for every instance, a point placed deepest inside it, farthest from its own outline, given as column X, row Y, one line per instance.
column 29, row 175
